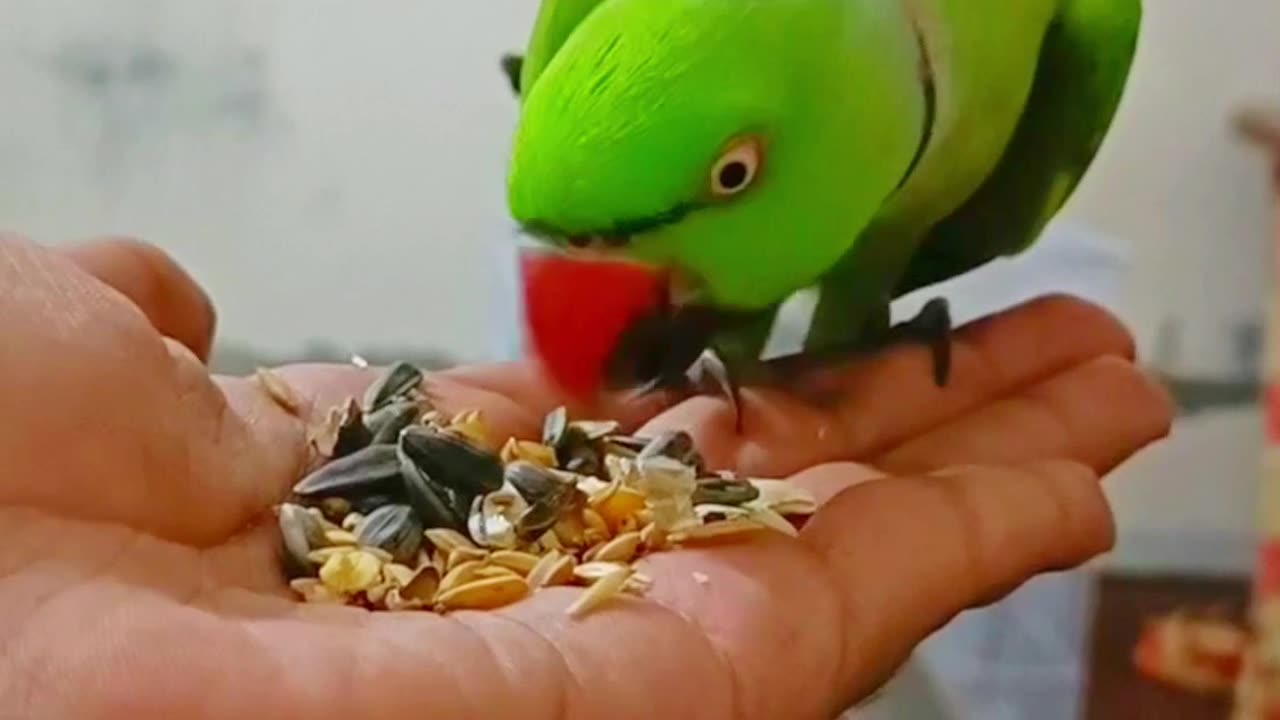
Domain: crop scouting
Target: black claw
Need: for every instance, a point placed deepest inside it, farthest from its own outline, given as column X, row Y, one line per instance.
column 935, row 325
column 512, row 66
column 710, row 366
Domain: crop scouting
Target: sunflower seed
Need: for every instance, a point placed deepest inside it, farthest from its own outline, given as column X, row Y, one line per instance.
column 370, row 471
column 721, row 491
column 451, row 462
column 536, row 483
column 335, row 509
column 433, row 504
column 484, row 594
column 366, row 505
column 386, row 423
column 555, row 427
column 395, row 384
column 301, row 533
column 352, row 521
column 393, row 528
column 600, row 592
column 351, row 434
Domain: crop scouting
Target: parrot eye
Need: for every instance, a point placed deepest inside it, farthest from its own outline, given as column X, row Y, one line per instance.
column 736, row 169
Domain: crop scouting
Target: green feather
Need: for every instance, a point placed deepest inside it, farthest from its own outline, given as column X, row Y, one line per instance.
column 1083, row 72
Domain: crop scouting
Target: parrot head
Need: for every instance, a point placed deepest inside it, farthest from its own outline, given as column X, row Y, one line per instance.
column 712, row 153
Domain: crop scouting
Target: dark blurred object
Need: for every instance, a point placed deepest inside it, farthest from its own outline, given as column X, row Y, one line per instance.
column 241, row 360
column 1117, row 691
column 1261, row 125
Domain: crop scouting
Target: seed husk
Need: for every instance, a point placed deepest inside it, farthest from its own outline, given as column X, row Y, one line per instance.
column 597, row 429
column 460, row 575
column 395, row 384
column 386, row 423
column 536, row 453
column 340, row 537
column 620, row 549
column 675, row 444
column 448, row 540
column 423, row 586
column 394, row 528
column 461, row 555
column 552, row 569
column 521, row 562
column 280, row 391
column 397, row 574
column 452, row 462
column 484, row 594
column 718, row 529
column 351, row 572
column 536, row 483
column 472, row 427
column 373, row 470
column 314, row 591
column 601, row 591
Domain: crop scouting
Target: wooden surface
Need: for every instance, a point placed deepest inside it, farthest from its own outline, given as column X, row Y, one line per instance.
column 1116, row 691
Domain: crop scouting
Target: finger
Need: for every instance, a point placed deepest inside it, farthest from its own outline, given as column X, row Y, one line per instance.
column 523, row 385
column 907, row 554
column 881, row 402
column 1099, row 414
column 103, row 422
column 176, row 306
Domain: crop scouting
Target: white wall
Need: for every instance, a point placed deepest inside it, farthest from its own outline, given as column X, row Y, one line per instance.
column 287, row 150
column 282, row 149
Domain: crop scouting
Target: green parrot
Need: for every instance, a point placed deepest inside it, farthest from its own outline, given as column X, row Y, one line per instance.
column 740, row 151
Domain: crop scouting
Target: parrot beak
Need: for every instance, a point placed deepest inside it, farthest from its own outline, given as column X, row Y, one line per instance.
column 580, row 308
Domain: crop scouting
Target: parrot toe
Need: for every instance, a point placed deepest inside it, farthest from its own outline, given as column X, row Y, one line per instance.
column 933, row 327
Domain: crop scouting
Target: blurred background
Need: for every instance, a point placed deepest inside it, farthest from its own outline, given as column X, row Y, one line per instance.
column 333, row 173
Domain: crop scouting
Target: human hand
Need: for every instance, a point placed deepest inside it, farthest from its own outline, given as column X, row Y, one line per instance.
column 138, row 574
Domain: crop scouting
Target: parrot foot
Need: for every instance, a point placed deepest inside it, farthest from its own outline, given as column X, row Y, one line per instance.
column 933, row 327
column 708, row 375
column 711, row 375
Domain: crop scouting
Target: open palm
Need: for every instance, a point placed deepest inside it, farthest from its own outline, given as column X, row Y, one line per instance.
column 138, row 568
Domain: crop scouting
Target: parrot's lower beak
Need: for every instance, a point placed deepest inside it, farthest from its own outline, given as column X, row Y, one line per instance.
column 578, row 310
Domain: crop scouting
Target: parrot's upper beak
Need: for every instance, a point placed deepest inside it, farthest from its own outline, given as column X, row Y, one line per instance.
column 579, row 309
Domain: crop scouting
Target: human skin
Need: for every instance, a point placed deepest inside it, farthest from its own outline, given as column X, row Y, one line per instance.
column 138, row 574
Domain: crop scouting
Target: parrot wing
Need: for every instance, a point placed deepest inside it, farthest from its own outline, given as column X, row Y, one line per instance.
column 1084, row 67
column 557, row 19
